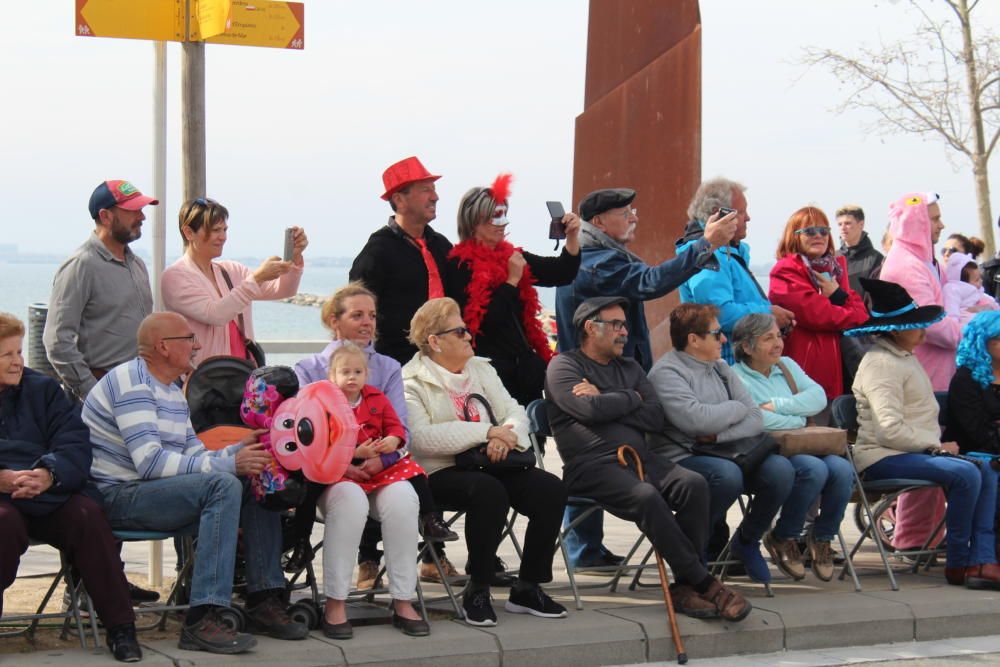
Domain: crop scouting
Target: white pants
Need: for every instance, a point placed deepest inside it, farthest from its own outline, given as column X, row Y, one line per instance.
column 345, row 509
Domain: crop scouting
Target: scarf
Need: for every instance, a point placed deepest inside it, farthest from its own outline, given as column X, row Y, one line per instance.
column 489, row 270
column 592, row 237
column 826, row 263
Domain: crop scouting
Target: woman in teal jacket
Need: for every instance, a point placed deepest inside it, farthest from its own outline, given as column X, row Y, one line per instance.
column 769, row 378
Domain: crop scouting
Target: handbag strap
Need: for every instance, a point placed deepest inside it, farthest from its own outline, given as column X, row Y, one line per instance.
column 788, row 377
column 239, row 317
column 485, row 404
column 725, row 382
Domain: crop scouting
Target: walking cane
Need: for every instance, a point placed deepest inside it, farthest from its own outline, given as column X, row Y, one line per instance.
column 682, row 657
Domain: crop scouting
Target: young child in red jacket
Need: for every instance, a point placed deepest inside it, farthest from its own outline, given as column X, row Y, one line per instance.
column 380, row 436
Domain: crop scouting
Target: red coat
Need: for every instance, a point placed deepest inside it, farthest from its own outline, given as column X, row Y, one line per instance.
column 378, row 419
column 815, row 341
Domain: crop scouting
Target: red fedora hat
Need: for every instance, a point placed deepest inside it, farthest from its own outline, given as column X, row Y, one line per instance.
column 404, row 172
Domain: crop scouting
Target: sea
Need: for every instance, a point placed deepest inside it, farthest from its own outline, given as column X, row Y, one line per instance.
column 24, row 282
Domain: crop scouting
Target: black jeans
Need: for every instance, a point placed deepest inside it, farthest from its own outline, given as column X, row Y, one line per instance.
column 486, row 498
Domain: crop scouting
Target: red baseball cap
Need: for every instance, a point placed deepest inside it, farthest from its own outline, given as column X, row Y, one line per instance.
column 404, row 172
column 118, row 193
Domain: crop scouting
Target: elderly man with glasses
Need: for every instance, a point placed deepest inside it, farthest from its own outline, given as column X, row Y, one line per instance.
column 609, row 268
column 155, row 474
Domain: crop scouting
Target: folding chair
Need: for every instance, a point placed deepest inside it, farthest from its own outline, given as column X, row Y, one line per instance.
column 69, row 616
column 844, row 413
column 538, row 430
column 179, row 595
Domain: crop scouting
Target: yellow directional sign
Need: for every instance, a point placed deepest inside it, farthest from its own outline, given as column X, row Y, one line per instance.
column 208, row 18
column 161, row 20
column 264, row 23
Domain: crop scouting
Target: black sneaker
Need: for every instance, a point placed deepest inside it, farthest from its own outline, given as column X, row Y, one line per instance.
column 534, row 601
column 123, row 643
column 433, row 529
column 140, row 595
column 478, row 610
column 500, row 577
column 212, row 635
column 270, row 618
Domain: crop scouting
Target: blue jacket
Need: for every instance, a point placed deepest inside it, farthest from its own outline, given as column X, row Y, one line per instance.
column 790, row 410
column 611, row 272
column 732, row 289
column 40, row 427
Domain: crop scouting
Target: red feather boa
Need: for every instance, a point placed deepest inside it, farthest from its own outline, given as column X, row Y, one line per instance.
column 489, row 270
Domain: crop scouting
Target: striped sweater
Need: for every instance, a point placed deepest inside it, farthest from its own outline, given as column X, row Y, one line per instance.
column 140, row 429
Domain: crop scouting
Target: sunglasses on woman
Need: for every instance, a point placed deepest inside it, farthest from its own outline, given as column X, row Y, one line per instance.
column 814, row 231
column 714, row 332
column 458, row 331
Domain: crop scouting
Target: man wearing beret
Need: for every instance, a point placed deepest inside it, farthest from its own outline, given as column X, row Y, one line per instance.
column 609, row 268
column 403, row 262
column 599, row 400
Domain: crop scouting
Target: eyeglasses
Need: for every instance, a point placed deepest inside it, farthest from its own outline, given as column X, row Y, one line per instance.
column 814, row 231
column 458, row 331
column 713, row 332
column 616, row 325
column 629, row 212
column 189, row 338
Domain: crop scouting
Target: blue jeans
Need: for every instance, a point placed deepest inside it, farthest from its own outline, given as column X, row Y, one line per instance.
column 584, row 543
column 215, row 505
column 830, row 478
column 972, row 501
column 770, row 485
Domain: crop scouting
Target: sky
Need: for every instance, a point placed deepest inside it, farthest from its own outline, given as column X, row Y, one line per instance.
column 302, row 137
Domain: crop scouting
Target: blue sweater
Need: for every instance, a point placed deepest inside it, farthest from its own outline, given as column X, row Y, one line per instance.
column 790, row 410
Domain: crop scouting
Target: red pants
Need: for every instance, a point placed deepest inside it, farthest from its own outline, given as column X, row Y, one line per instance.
column 80, row 530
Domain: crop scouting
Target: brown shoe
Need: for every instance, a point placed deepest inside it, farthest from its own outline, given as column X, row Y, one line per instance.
column 731, row 605
column 367, row 575
column 785, row 554
column 270, row 618
column 955, row 575
column 430, row 574
column 821, row 553
column 985, row 576
column 687, row 601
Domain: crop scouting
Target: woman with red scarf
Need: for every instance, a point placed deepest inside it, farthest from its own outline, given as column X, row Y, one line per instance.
column 495, row 285
column 811, row 281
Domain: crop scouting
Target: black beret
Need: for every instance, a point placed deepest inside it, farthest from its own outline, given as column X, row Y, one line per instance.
column 599, row 201
column 593, row 306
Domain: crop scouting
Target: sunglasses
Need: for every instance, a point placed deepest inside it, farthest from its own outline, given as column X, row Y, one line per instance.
column 948, row 251
column 204, row 201
column 814, row 231
column 458, row 331
column 714, row 332
column 616, row 325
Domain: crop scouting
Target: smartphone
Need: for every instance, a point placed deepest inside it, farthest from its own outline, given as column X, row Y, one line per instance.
column 725, row 210
column 557, row 230
column 289, row 244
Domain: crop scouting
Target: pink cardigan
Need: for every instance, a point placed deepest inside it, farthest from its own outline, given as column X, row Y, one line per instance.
column 186, row 290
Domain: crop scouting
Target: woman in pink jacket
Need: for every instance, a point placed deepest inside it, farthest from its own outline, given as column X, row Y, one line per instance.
column 915, row 225
column 212, row 295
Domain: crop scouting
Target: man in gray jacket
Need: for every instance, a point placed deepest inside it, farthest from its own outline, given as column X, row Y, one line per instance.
column 599, row 400
column 705, row 402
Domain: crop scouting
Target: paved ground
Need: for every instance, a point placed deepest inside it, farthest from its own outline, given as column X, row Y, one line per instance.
column 624, row 627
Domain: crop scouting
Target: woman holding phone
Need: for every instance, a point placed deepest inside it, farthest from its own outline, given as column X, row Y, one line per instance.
column 216, row 296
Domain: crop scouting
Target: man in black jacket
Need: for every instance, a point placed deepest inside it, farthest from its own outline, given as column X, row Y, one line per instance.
column 404, row 263
column 599, row 400
column 863, row 260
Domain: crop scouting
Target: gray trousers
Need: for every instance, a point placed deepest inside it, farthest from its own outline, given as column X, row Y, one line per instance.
column 670, row 507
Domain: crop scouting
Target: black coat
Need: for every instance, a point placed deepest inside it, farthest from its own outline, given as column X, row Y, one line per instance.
column 501, row 337
column 973, row 414
column 863, row 261
column 392, row 266
column 41, row 428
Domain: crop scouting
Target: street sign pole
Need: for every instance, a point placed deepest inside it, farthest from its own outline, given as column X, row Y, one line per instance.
column 193, row 119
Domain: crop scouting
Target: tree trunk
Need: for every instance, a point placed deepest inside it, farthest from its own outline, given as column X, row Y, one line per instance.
column 980, row 168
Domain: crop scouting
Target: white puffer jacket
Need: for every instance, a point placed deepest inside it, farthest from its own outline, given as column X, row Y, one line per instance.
column 436, row 432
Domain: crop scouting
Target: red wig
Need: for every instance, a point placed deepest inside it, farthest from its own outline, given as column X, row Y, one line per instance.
column 807, row 216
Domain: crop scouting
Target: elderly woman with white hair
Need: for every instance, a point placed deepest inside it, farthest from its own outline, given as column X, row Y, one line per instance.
column 457, row 403
column 787, row 398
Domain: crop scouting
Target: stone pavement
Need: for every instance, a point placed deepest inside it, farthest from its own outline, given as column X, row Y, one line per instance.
column 624, row 627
